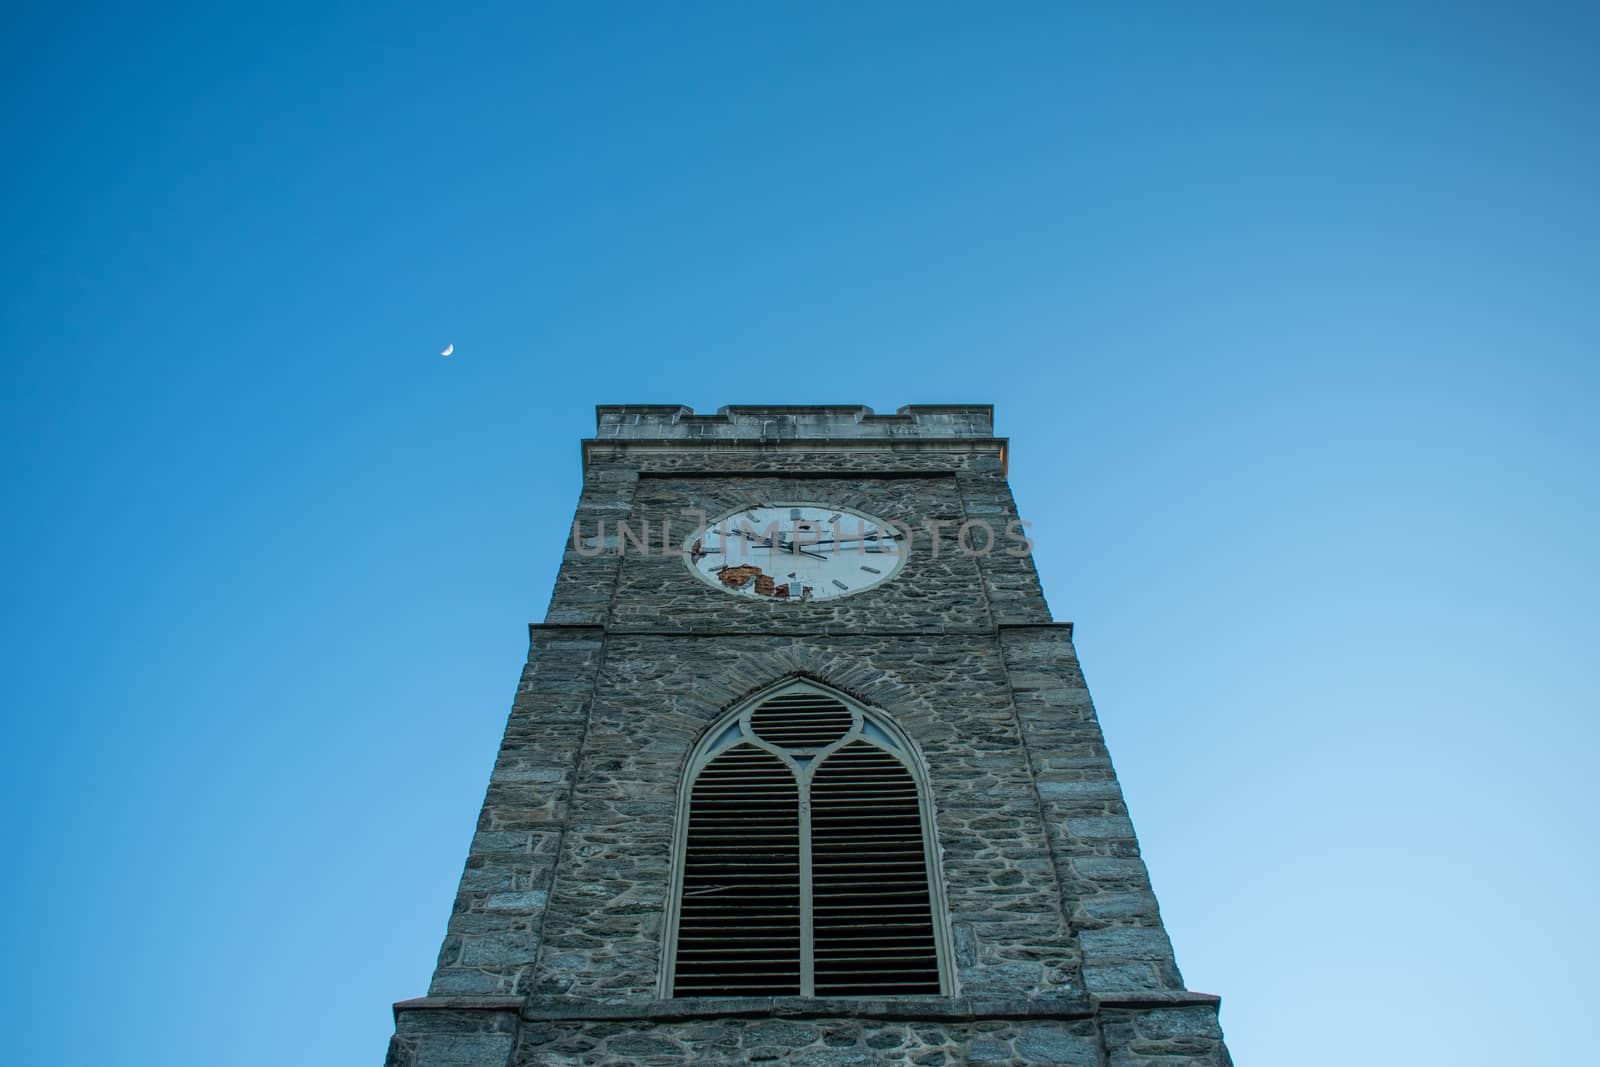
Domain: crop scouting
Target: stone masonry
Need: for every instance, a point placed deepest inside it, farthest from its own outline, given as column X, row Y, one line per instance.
column 554, row 949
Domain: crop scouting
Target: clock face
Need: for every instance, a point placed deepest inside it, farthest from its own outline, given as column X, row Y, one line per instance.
column 797, row 552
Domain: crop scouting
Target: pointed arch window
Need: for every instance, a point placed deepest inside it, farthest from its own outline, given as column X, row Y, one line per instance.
column 805, row 857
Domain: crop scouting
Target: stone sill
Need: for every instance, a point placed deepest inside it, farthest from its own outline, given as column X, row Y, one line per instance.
column 953, row 1008
column 930, row 1008
column 949, row 1008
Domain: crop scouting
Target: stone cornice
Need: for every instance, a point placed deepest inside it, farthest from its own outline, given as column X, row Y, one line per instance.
column 955, row 446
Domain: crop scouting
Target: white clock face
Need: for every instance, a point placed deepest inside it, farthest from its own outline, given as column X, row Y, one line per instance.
column 797, row 552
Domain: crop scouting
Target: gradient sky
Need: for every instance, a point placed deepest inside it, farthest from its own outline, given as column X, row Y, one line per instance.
column 1289, row 311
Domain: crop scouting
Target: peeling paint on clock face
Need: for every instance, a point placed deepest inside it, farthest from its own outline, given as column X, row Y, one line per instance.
column 797, row 552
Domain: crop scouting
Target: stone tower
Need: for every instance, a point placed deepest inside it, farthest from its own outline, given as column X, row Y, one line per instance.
column 800, row 769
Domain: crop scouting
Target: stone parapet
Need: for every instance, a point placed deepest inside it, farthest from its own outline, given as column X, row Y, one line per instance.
column 792, row 422
column 671, row 437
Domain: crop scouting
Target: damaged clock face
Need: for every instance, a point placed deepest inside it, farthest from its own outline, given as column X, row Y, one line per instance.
column 797, row 552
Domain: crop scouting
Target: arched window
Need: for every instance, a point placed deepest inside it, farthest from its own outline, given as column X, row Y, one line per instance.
column 805, row 862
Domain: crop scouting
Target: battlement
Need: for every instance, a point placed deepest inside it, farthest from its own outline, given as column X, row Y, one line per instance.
column 791, row 422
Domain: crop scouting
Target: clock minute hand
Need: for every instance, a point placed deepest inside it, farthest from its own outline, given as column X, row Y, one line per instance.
column 847, row 540
column 782, row 545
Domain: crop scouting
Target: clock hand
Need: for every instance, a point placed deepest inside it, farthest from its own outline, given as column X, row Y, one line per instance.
column 782, row 545
column 847, row 540
column 790, row 546
column 765, row 542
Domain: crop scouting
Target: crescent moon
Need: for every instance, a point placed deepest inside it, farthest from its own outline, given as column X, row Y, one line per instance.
column 449, row 348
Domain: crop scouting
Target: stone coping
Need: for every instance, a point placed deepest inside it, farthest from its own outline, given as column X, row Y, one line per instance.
column 726, row 410
column 804, row 420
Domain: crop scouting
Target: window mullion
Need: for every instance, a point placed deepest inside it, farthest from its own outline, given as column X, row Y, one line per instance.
column 808, row 969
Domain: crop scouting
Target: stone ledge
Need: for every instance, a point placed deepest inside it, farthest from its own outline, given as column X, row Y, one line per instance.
column 933, row 1008
column 1177, row 998
column 1064, row 627
column 557, row 627
column 459, row 1003
column 817, row 1007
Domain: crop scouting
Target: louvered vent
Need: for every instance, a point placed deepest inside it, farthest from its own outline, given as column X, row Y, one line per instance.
column 739, row 926
column 873, row 918
column 801, row 721
column 822, row 895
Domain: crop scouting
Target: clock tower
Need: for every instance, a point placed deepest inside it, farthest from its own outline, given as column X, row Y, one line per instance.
column 800, row 769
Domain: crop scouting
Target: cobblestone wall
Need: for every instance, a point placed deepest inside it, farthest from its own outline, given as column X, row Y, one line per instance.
column 843, row 1041
column 657, row 693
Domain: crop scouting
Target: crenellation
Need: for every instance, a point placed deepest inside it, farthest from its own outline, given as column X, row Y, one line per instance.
column 791, row 422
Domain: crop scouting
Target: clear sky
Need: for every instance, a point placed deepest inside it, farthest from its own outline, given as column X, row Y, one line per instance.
column 1290, row 312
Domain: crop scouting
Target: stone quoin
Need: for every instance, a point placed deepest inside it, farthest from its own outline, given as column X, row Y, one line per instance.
column 841, row 799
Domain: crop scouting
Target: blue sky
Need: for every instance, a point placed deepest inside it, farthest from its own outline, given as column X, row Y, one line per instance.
column 1289, row 311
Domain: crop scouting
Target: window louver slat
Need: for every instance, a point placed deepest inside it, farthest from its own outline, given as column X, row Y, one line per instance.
column 870, row 914
column 739, row 922
column 801, row 721
column 873, row 919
